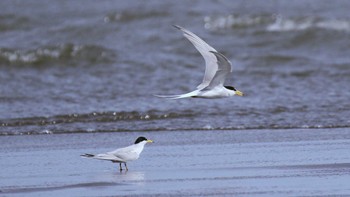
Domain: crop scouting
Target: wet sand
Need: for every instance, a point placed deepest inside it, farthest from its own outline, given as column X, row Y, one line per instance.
column 295, row 162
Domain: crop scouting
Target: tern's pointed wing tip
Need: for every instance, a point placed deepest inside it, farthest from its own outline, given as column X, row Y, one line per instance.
column 220, row 55
column 185, row 31
column 217, row 54
column 177, row 27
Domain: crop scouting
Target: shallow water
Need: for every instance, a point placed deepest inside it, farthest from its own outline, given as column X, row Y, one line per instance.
column 293, row 162
column 72, row 68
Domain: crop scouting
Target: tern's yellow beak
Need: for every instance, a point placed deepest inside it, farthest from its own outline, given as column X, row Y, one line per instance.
column 149, row 141
column 239, row 93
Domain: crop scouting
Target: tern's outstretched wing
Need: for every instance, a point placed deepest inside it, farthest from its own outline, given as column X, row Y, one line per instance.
column 224, row 68
column 204, row 49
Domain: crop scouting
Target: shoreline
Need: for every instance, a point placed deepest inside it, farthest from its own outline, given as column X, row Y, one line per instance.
column 180, row 163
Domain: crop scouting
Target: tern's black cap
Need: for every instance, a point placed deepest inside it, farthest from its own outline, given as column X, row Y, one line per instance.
column 140, row 139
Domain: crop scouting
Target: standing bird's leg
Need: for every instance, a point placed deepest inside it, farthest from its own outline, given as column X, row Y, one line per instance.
column 120, row 167
column 126, row 167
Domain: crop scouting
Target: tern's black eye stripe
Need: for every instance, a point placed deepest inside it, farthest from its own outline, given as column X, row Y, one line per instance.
column 230, row 88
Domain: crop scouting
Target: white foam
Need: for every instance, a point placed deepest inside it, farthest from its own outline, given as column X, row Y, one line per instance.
column 232, row 21
column 340, row 25
column 293, row 24
column 282, row 24
column 275, row 23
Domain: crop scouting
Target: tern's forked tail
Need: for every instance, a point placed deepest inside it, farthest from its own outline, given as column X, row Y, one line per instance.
column 88, row 155
column 180, row 96
column 168, row 96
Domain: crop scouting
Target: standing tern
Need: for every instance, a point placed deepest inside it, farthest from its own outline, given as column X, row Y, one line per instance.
column 122, row 155
column 217, row 67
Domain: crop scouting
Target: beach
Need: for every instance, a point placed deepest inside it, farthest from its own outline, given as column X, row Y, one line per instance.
column 80, row 77
column 292, row 162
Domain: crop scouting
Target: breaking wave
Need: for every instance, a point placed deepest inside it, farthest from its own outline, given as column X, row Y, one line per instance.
column 298, row 24
column 275, row 23
column 70, row 54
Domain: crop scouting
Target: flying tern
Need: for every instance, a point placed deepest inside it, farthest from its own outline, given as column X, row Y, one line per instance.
column 217, row 68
